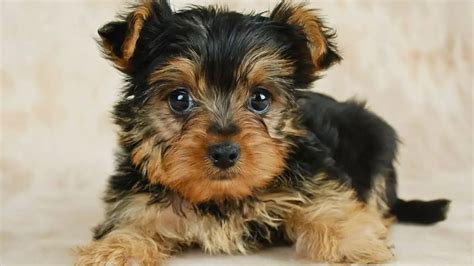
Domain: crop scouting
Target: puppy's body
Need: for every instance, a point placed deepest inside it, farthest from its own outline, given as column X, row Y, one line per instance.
column 299, row 167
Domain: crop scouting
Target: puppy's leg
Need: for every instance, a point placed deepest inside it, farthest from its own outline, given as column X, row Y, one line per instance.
column 335, row 227
column 126, row 246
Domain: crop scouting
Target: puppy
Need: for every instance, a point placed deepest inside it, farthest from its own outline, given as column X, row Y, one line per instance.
column 223, row 146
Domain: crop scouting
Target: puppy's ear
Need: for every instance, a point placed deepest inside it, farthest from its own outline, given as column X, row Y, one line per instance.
column 118, row 39
column 319, row 37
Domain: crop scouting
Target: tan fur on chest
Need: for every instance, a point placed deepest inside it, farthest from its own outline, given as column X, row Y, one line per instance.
column 186, row 227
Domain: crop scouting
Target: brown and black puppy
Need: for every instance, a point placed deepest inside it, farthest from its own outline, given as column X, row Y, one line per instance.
column 223, row 146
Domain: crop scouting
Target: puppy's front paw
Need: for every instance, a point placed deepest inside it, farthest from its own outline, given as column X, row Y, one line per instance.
column 364, row 250
column 121, row 248
column 326, row 245
column 111, row 256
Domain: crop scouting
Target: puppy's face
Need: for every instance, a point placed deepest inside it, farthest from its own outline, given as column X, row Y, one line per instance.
column 210, row 110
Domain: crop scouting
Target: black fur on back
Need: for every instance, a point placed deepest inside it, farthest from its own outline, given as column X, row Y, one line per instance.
column 361, row 144
column 364, row 146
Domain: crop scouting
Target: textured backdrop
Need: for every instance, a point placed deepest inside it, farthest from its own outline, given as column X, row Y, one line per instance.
column 411, row 60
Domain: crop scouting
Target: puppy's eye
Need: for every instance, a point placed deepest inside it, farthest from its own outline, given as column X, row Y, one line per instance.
column 180, row 101
column 259, row 101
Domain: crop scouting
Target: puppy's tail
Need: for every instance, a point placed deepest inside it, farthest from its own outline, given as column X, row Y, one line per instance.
column 420, row 212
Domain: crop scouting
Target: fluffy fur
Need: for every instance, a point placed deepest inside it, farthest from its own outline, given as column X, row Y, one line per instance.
column 312, row 171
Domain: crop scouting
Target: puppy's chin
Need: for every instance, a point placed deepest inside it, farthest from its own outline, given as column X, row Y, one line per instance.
column 222, row 177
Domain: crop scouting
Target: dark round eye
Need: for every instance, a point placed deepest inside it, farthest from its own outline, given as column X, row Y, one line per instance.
column 259, row 101
column 180, row 101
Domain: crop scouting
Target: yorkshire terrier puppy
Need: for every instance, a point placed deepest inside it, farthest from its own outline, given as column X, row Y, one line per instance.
column 223, row 146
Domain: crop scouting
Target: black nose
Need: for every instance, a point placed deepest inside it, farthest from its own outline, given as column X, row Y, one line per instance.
column 224, row 155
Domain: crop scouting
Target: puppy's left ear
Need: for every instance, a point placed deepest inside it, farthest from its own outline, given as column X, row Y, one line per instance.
column 319, row 37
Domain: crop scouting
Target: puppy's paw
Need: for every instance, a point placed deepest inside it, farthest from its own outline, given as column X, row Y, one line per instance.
column 114, row 258
column 122, row 247
column 365, row 251
column 357, row 249
column 101, row 255
column 365, row 243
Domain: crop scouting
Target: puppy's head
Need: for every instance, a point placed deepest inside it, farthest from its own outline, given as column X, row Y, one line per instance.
column 209, row 110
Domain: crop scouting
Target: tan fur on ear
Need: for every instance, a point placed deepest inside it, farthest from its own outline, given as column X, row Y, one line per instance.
column 119, row 62
column 323, row 52
column 317, row 41
column 120, row 53
column 135, row 25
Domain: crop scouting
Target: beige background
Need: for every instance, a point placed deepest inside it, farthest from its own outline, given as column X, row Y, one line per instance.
column 412, row 61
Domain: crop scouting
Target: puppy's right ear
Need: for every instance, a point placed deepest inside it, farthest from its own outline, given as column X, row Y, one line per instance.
column 118, row 39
